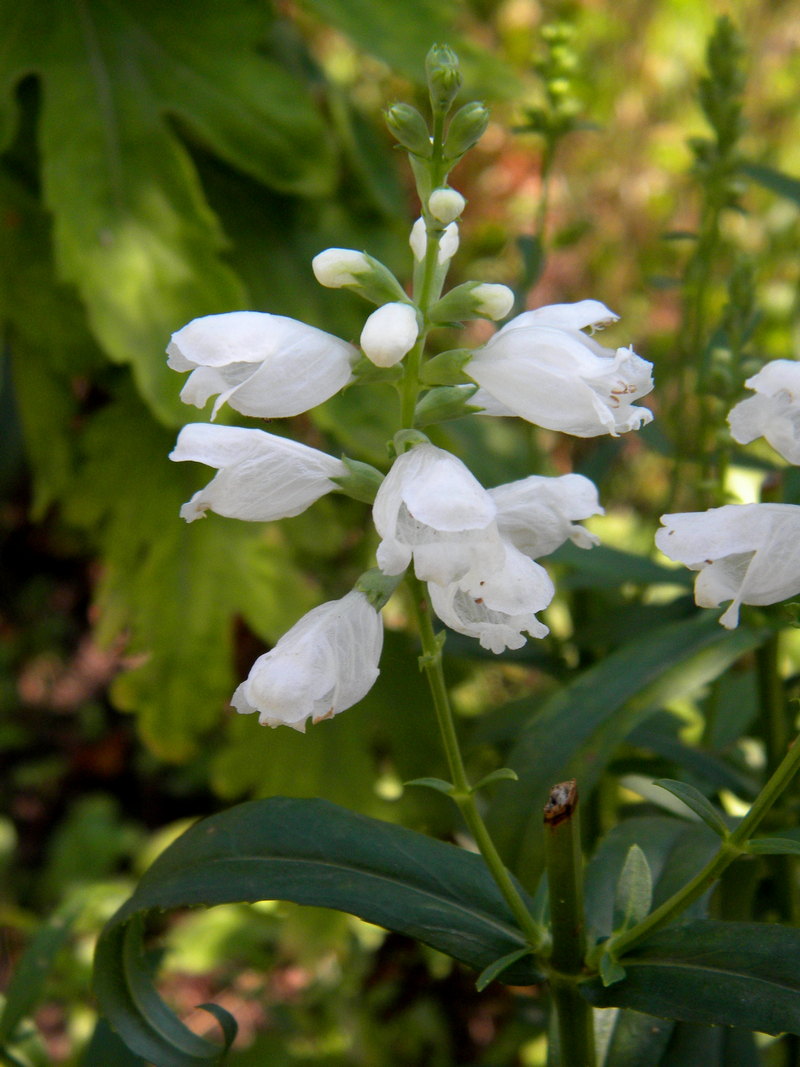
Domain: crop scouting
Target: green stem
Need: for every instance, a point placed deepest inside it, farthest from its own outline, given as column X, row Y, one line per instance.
column 564, row 861
column 431, row 663
column 729, row 850
column 772, row 703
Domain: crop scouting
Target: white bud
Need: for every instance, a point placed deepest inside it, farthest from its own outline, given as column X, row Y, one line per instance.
column 337, row 267
column 389, row 333
column 493, row 301
column 448, row 242
column 446, row 204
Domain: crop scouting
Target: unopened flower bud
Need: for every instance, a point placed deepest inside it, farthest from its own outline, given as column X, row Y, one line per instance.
column 345, row 268
column 446, row 204
column 466, row 129
column 474, row 300
column 409, row 128
column 445, row 402
column 336, row 268
column 448, row 242
column 389, row 333
column 444, row 77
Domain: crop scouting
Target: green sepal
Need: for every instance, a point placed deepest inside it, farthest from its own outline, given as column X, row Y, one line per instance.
column 700, row 805
column 429, row 658
column 502, row 774
column 365, row 372
column 376, row 283
column 439, row 784
column 773, row 846
column 361, row 482
column 377, row 587
column 466, row 128
column 611, row 970
column 447, row 368
column 404, row 440
column 443, row 75
column 445, row 402
column 409, row 128
column 488, row 974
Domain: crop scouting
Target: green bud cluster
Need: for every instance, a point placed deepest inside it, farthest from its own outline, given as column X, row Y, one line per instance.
column 556, row 66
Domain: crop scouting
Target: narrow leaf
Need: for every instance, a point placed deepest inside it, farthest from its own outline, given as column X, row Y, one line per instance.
column 502, row 774
column 700, row 805
column 775, row 180
column 309, row 852
column 733, row 974
column 439, row 784
column 634, row 889
column 35, row 965
column 488, row 974
column 774, row 846
column 611, row 970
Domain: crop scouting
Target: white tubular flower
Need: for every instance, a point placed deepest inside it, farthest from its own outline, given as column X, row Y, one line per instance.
column 448, row 242
column 261, row 476
column 336, row 267
column 745, row 553
column 446, row 204
column 389, row 333
column 264, row 365
column 537, row 514
column 326, row 663
column 774, row 412
column 541, row 367
column 499, row 607
column 431, row 508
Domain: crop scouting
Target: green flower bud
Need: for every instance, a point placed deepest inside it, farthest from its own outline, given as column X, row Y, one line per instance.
column 466, row 128
column 445, row 402
column 361, row 481
column 473, row 300
column 377, row 587
column 409, row 128
column 444, row 77
column 346, row 268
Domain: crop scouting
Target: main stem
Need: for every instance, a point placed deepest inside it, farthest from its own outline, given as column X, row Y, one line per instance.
column 431, row 662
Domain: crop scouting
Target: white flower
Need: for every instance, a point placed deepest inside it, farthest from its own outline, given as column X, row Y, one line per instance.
column 326, row 663
column 500, row 606
column 389, row 333
column 264, row 365
column 774, row 412
column 448, row 242
column 261, row 476
column 446, row 204
column 536, row 514
column 541, row 367
column 745, row 553
column 431, row 508
column 337, row 267
column 493, row 300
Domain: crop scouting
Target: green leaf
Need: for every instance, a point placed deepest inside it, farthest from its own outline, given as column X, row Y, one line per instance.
column 696, row 802
column 611, row 970
column 173, row 587
column 439, row 784
column 106, row 1048
column 501, row 774
column 35, row 965
column 675, row 851
column 635, row 1040
column 309, row 852
column 494, row 970
column 773, row 846
column 733, row 974
column 634, row 890
column 132, row 229
column 774, row 180
column 574, row 733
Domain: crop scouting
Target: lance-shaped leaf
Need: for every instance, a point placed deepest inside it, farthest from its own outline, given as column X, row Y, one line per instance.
column 132, row 229
column 576, row 732
column 734, row 974
column 634, row 890
column 309, row 852
column 696, row 802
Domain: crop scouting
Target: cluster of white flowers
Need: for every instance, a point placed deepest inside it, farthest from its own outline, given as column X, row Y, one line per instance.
column 475, row 548
column 747, row 553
